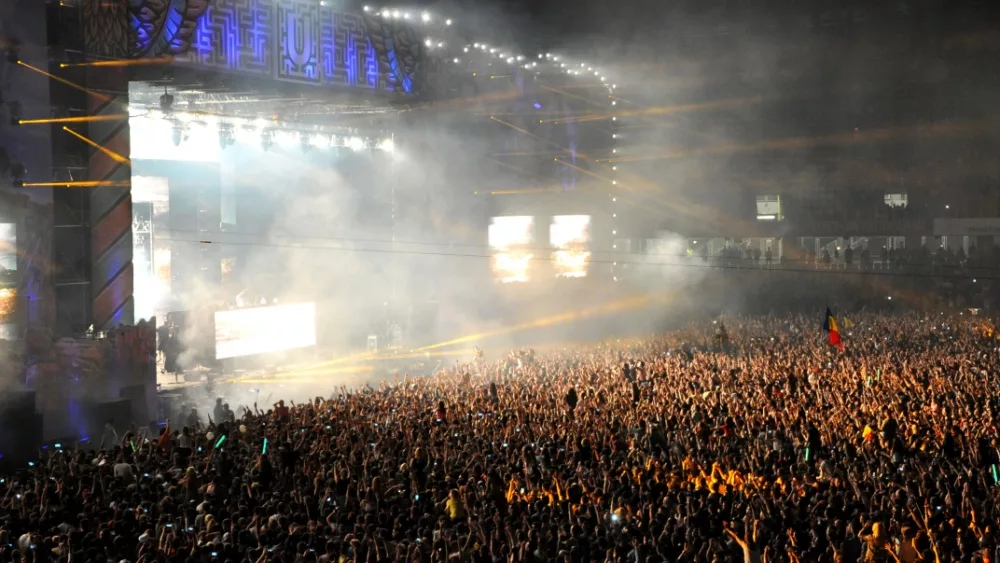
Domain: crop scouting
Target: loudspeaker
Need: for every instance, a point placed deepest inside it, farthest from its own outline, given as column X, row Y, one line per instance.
column 98, row 414
column 136, row 396
column 22, row 402
column 20, row 436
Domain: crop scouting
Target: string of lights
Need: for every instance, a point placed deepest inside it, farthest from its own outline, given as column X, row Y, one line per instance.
column 544, row 64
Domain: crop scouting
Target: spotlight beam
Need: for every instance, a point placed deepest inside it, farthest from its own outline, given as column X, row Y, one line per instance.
column 114, row 156
column 82, row 119
column 81, row 184
column 164, row 60
column 59, row 79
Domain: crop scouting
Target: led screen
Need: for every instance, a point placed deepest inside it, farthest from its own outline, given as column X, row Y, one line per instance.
column 8, row 281
column 511, row 241
column 8, row 248
column 263, row 330
column 569, row 236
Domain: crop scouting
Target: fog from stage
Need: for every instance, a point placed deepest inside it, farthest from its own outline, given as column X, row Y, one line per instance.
column 375, row 238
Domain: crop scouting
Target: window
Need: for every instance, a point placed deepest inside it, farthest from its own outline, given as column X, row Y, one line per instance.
column 769, row 208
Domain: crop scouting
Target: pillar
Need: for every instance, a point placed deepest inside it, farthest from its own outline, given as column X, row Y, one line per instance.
column 111, row 206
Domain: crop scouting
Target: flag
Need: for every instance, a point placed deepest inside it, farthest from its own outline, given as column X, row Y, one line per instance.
column 833, row 333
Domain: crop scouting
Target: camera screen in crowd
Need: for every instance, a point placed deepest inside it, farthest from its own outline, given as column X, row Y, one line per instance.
column 570, row 239
column 511, row 241
column 263, row 330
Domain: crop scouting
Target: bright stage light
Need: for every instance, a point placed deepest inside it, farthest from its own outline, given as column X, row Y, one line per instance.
column 447, row 22
column 368, row 8
column 425, row 17
column 388, row 145
column 320, row 141
column 355, row 143
column 227, row 136
column 285, row 139
column 246, row 134
column 427, row 42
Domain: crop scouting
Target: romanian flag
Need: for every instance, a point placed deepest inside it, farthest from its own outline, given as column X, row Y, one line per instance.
column 830, row 326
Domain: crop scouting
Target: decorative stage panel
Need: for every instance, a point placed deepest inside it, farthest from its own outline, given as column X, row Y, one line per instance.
column 302, row 41
column 234, row 35
column 298, row 40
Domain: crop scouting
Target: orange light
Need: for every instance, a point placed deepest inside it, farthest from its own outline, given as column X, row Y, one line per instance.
column 82, row 119
column 114, row 156
column 82, row 184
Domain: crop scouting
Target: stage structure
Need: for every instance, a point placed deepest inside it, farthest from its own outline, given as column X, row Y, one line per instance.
column 310, row 48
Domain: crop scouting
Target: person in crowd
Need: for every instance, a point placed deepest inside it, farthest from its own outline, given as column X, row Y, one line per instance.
column 778, row 449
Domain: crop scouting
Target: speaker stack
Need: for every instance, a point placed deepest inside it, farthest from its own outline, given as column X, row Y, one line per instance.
column 20, row 429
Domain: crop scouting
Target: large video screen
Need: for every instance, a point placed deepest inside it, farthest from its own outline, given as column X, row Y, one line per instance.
column 511, row 241
column 569, row 236
column 263, row 330
column 8, row 251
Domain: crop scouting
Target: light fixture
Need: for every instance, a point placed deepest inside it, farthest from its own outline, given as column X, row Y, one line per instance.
column 447, row 22
column 227, row 136
column 166, row 102
column 387, row 145
column 425, row 17
column 368, row 8
column 17, row 174
column 355, row 143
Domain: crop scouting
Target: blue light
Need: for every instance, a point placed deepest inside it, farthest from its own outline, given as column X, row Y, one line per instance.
column 537, row 105
column 84, row 439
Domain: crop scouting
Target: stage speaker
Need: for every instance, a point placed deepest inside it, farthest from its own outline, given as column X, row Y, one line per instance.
column 138, row 403
column 22, row 402
column 20, row 437
column 98, row 414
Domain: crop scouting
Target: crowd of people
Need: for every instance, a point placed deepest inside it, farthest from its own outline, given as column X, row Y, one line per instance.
column 768, row 446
